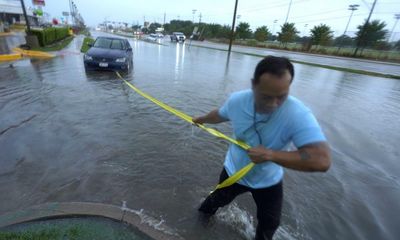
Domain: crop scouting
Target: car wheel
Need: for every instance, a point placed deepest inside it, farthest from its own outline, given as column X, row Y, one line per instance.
column 128, row 67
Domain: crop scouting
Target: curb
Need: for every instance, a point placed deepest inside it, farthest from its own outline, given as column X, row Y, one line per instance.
column 36, row 54
column 21, row 53
column 5, row 34
column 10, row 57
column 57, row 210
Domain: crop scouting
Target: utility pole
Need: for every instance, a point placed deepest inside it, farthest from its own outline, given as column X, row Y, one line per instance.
column 73, row 13
column 288, row 11
column 397, row 17
column 26, row 17
column 352, row 8
column 199, row 19
column 165, row 14
column 105, row 23
column 363, row 29
column 233, row 28
column 70, row 12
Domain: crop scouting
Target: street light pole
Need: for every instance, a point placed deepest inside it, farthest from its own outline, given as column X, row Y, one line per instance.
column 304, row 31
column 397, row 17
column 288, row 11
column 193, row 13
column 363, row 29
column 273, row 27
column 26, row 16
column 233, row 28
column 352, row 8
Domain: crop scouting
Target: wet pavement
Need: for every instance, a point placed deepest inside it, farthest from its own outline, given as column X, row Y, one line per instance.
column 359, row 64
column 68, row 135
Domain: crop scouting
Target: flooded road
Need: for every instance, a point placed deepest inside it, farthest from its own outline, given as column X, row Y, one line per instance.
column 68, row 135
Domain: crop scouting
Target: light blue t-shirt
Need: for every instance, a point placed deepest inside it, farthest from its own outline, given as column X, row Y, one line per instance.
column 292, row 122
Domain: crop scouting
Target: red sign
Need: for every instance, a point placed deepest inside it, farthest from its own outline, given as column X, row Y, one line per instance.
column 38, row 2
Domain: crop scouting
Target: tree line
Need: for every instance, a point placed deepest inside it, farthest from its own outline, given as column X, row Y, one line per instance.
column 374, row 36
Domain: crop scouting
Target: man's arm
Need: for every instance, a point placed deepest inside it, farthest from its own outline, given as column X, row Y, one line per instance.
column 313, row 157
column 211, row 117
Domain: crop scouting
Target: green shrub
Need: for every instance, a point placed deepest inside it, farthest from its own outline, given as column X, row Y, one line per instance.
column 48, row 36
column 85, row 45
column 252, row 42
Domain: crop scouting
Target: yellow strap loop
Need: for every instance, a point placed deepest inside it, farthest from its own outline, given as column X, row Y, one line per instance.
column 232, row 179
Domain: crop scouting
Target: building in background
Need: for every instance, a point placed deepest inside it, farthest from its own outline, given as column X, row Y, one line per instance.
column 11, row 13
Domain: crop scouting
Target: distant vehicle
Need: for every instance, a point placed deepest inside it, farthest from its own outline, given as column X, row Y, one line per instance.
column 45, row 25
column 160, row 35
column 178, row 36
column 109, row 53
column 152, row 37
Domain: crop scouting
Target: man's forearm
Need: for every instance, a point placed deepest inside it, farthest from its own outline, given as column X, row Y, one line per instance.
column 211, row 117
column 308, row 160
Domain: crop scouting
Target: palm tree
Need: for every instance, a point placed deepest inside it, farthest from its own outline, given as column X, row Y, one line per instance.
column 243, row 30
column 287, row 34
column 321, row 35
column 369, row 34
column 261, row 33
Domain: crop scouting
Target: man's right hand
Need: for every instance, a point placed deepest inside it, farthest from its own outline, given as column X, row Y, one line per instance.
column 198, row 120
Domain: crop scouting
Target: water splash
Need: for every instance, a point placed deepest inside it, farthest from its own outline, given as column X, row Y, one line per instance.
column 238, row 219
column 157, row 224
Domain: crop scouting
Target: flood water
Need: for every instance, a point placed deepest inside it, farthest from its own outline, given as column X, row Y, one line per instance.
column 68, row 135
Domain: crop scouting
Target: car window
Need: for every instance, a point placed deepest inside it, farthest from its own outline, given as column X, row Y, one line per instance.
column 102, row 43
column 109, row 43
column 117, row 44
column 127, row 44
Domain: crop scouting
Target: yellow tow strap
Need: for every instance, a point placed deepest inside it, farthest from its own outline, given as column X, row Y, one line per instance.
column 232, row 179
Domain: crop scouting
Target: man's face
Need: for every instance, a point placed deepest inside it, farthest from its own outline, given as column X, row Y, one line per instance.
column 271, row 91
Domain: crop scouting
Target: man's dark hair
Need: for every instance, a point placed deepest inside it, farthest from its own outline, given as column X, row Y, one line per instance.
column 273, row 65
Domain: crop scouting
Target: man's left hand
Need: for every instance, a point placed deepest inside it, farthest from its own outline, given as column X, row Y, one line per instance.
column 260, row 154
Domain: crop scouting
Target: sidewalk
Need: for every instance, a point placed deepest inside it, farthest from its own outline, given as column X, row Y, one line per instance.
column 11, row 40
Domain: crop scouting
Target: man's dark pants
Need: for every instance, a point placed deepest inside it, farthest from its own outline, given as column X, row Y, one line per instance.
column 268, row 201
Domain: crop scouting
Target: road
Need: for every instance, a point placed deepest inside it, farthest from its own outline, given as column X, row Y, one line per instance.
column 70, row 135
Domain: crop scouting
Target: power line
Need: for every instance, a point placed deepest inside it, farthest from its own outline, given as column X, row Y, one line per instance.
column 331, row 18
column 259, row 8
column 320, row 13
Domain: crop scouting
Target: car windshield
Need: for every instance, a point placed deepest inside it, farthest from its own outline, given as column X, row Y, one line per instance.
column 109, row 43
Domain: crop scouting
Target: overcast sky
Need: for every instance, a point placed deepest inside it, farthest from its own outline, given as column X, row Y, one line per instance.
column 256, row 12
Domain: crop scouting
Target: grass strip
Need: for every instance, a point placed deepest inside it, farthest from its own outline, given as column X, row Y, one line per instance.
column 375, row 74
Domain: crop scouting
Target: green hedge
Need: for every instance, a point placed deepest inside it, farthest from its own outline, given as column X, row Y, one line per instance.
column 48, row 36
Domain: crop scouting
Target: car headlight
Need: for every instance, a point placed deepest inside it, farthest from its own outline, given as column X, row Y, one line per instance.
column 120, row 59
column 87, row 57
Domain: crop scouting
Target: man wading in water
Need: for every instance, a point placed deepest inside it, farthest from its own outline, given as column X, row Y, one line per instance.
column 268, row 119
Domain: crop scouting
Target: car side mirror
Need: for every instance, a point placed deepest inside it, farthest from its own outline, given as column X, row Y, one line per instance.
column 129, row 49
column 90, row 44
